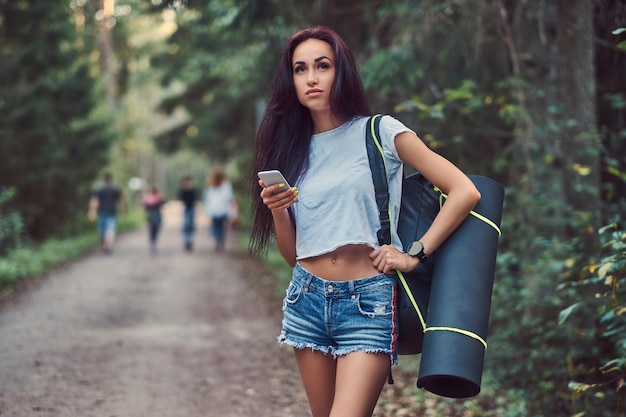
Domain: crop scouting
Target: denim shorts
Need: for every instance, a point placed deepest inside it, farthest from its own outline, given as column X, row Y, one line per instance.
column 106, row 223
column 340, row 317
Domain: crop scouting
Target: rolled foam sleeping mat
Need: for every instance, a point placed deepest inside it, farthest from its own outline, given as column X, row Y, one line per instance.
column 460, row 299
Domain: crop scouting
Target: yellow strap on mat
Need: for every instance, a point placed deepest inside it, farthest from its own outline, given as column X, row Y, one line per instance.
column 455, row 330
column 434, row 328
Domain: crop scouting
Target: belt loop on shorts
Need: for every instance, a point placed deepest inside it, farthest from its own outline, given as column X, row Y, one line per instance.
column 351, row 287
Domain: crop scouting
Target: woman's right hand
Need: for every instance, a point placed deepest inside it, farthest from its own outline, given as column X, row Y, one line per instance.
column 281, row 200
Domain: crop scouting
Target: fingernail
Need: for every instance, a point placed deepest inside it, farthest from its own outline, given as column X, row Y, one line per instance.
column 281, row 185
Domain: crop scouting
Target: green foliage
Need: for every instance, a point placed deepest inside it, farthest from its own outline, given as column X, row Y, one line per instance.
column 11, row 225
column 529, row 353
column 54, row 138
column 597, row 377
column 535, row 292
column 458, row 108
column 35, row 260
column 387, row 80
column 613, row 156
column 221, row 59
column 465, row 99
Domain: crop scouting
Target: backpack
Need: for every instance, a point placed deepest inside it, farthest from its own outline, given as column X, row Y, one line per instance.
column 457, row 280
column 421, row 202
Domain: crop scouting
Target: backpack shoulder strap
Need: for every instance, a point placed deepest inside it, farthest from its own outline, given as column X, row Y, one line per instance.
column 376, row 158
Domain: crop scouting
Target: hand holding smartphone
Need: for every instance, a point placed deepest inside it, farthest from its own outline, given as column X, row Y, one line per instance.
column 272, row 177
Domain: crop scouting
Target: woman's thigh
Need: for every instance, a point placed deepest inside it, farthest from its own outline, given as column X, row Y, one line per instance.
column 318, row 371
column 360, row 378
column 348, row 386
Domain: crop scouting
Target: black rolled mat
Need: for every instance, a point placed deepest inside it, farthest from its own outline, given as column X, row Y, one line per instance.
column 460, row 300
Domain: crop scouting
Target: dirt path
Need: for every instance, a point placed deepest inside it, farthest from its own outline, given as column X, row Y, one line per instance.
column 134, row 335
column 173, row 335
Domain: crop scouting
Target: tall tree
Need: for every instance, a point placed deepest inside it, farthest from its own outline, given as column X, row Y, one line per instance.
column 579, row 140
column 52, row 139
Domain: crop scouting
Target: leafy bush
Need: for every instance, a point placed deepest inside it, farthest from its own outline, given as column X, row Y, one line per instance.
column 30, row 261
column 599, row 319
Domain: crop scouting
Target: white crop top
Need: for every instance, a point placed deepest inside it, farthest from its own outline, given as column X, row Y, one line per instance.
column 336, row 205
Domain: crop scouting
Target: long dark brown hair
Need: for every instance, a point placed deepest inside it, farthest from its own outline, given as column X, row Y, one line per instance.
column 284, row 135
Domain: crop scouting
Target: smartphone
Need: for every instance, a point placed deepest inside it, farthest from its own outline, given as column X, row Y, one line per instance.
column 272, row 177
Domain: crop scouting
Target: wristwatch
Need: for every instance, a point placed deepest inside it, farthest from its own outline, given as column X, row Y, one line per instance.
column 417, row 250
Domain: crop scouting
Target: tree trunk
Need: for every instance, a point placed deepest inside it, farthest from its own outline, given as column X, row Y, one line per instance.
column 579, row 144
column 107, row 51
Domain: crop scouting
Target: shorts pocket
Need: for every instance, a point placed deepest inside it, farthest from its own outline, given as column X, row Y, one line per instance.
column 293, row 293
column 376, row 303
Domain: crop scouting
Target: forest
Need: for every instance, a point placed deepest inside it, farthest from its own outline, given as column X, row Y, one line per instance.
column 531, row 93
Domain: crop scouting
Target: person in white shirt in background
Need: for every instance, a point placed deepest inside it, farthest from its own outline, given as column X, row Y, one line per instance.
column 219, row 206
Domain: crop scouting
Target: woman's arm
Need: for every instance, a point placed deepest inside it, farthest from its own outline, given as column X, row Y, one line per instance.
column 462, row 194
column 462, row 197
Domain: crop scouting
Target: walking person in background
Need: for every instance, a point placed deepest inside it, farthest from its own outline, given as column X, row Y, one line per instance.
column 219, row 203
column 339, row 314
column 187, row 194
column 153, row 201
column 103, row 206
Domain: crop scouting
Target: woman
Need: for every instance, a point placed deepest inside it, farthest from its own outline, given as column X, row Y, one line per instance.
column 153, row 202
column 339, row 314
column 218, row 205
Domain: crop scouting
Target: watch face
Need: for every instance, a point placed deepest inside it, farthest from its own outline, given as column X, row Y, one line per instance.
column 416, row 247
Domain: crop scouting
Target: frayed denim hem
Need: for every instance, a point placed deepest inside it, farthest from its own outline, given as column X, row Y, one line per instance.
column 282, row 339
column 392, row 358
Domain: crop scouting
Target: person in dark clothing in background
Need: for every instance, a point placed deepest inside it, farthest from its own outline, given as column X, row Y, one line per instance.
column 103, row 205
column 187, row 194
